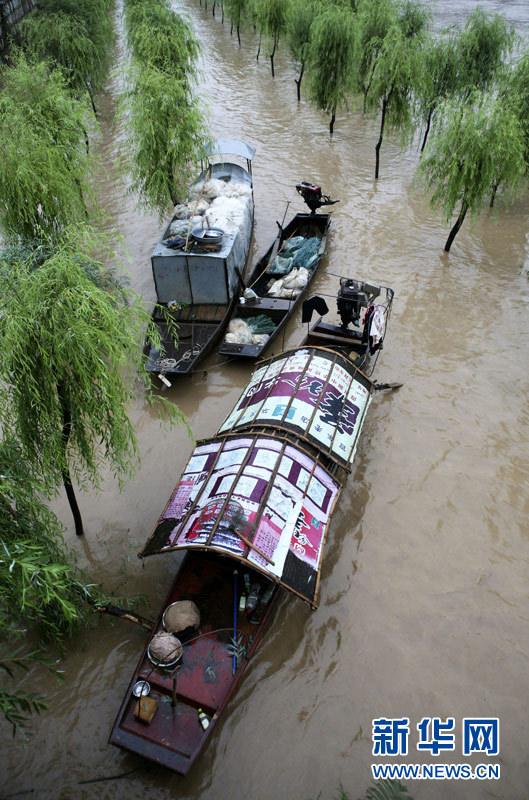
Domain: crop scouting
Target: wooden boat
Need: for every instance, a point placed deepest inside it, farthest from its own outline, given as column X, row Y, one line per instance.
column 277, row 310
column 255, row 500
column 197, row 283
column 364, row 342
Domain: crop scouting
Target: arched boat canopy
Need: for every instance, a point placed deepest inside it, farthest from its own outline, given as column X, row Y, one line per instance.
column 232, row 147
column 314, row 393
column 260, row 500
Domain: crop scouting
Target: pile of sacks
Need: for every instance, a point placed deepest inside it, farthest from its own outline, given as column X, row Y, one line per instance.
column 221, row 205
column 297, row 258
column 290, row 286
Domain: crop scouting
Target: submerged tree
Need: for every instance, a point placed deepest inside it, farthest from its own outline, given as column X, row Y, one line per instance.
column 271, row 18
column 162, row 39
column 236, row 11
column 44, row 596
column 331, row 62
column 476, row 148
column 396, row 76
column 44, row 168
column 515, row 89
column 166, row 128
column 71, row 334
column 376, row 18
column 300, row 16
column 40, row 586
column 166, row 138
column 63, row 39
column 440, row 78
column 481, row 48
column 95, row 18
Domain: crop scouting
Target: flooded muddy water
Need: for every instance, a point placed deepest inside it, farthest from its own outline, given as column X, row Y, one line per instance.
column 424, row 604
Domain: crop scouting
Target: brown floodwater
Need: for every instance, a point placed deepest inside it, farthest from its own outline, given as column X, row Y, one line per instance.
column 424, row 604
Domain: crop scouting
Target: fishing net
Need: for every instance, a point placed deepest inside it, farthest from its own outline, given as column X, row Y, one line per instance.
column 280, row 266
column 260, row 324
column 240, row 332
column 306, row 254
column 293, row 244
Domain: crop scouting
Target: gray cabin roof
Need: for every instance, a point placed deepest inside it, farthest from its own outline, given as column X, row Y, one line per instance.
column 233, row 147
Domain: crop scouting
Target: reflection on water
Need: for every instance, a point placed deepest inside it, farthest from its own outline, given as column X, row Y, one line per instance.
column 424, row 601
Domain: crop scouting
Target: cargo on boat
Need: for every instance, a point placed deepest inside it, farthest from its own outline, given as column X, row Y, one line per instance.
column 252, row 511
column 199, row 262
column 280, row 279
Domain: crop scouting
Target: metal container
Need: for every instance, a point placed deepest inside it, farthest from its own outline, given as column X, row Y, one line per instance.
column 166, row 664
column 141, row 688
column 208, row 235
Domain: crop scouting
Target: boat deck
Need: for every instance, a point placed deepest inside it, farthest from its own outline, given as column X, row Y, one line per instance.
column 204, row 677
column 197, row 329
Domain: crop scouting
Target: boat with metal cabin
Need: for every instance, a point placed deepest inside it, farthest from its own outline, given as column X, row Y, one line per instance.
column 280, row 279
column 252, row 511
column 199, row 261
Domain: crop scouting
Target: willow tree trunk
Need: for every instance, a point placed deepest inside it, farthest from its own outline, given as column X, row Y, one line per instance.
column 493, row 196
column 457, row 226
column 66, row 478
column 427, row 131
column 299, row 79
column 272, row 54
column 90, row 95
column 259, row 48
column 380, row 138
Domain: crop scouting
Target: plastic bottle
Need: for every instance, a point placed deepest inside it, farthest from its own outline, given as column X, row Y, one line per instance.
column 267, row 595
column 253, row 597
column 242, row 602
column 204, row 721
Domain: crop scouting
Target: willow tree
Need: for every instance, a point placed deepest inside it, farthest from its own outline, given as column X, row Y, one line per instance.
column 162, row 39
column 332, row 59
column 271, row 18
column 237, row 10
column 396, row 76
column 44, row 168
column 165, row 126
column 441, row 78
column 482, row 47
column 165, row 136
column 70, row 355
column 41, row 586
column 376, row 18
column 96, row 19
column 45, row 598
column 63, row 39
column 300, row 16
column 515, row 89
column 476, row 147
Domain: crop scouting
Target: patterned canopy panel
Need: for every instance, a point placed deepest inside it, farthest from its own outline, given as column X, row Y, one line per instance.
column 255, row 498
column 313, row 392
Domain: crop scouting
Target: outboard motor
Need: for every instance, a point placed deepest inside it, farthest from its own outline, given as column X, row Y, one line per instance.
column 352, row 297
column 313, row 196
